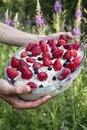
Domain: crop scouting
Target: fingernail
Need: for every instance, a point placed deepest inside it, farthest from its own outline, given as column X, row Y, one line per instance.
column 27, row 88
column 48, row 96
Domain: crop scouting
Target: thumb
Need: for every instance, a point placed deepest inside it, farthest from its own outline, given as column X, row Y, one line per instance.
column 6, row 88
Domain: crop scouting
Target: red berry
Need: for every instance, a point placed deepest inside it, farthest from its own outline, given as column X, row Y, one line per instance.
column 32, row 85
column 61, row 42
column 36, row 50
column 47, row 55
column 14, row 62
column 68, row 46
column 67, row 55
column 21, row 64
column 52, row 43
column 54, row 48
column 37, row 65
column 31, row 60
column 43, row 46
column 42, row 43
column 73, row 53
column 77, row 61
column 42, row 76
column 58, row 53
column 29, row 46
column 75, row 46
column 47, row 62
column 26, row 73
column 57, row 65
column 64, row 73
column 12, row 73
column 24, row 54
column 71, row 65
column 63, row 37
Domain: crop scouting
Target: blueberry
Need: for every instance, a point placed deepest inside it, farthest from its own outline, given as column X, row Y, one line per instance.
column 36, row 71
column 52, row 58
column 49, row 68
column 39, row 58
column 30, row 55
column 68, row 60
column 12, row 81
column 54, row 78
column 41, row 86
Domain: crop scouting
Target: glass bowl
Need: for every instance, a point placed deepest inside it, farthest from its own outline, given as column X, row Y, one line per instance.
column 54, row 89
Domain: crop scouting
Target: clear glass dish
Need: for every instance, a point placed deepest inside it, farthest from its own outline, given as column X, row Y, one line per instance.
column 54, row 89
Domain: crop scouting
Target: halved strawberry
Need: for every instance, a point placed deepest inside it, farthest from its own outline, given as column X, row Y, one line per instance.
column 42, row 76
column 21, row 64
column 64, row 73
column 24, row 54
column 52, row 43
column 73, row 53
column 31, row 60
column 29, row 46
column 36, row 50
column 61, row 42
column 32, row 85
column 54, row 48
column 77, row 60
column 58, row 53
column 67, row 55
column 76, row 45
column 63, row 37
column 57, row 65
column 47, row 62
column 47, row 55
column 71, row 65
column 12, row 73
column 26, row 73
column 14, row 62
column 37, row 65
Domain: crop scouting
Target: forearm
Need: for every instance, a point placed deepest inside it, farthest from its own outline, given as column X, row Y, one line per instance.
column 12, row 36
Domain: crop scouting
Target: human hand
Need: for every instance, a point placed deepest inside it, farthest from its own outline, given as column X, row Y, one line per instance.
column 10, row 94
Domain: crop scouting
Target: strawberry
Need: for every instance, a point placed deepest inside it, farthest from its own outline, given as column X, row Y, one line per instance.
column 42, row 43
column 61, row 42
column 29, row 46
column 54, row 48
column 68, row 46
column 21, row 64
column 47, row 62
column 43, row 46
column 31, row 60
column 73, row 53
column 63, row 37
column 67, row 55
column 32, row 85
column 57, row 53
column 64, row 73
column 52, row 43
column 71, row 65
column 75, row 45
column 47, row 55
column 57, row 65
column 77, row 61
column 12, row 73
column 24, row 54
column 37, row 65
column 26, row 73
column 14, row 62
column 36, row 50
column 42, row 76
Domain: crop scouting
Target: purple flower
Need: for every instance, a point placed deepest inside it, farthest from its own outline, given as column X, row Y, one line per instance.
column 8, row 21
column 40, row 20
column 78, row 13
column 58, row 6
column 76, row 32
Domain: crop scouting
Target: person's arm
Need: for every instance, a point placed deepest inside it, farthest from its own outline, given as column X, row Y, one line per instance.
column 13, row 36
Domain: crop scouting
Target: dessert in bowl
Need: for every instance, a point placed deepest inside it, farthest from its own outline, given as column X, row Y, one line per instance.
column 48, row 67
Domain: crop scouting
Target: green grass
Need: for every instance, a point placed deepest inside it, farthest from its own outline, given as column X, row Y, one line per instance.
column 67, row 111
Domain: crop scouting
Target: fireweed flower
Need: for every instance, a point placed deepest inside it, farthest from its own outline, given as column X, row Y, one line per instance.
column 76, row 32
column 8, row 21
column 78, row 14
column 58, row 6
column 40, row 20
